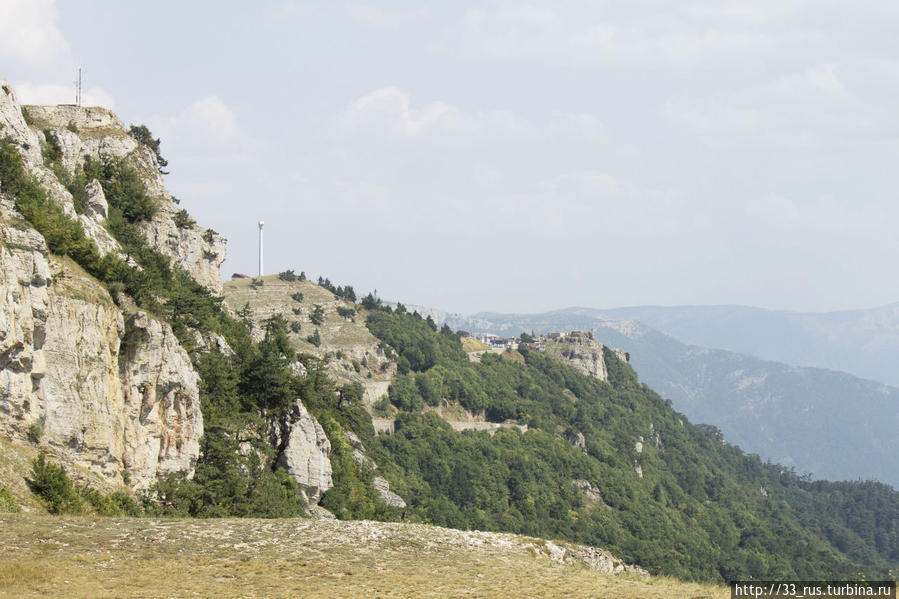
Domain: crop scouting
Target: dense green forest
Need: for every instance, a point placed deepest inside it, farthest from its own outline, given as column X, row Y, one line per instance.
column 700, row 510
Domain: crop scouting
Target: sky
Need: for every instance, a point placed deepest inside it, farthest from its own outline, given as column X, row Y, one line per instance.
column 511, row 156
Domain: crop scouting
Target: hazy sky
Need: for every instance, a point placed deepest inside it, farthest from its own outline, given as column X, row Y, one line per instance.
column 512, row 156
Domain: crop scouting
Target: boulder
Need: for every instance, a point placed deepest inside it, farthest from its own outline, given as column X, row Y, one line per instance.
column 306, row 456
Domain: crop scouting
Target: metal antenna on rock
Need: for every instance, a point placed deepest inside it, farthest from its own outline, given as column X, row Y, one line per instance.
column 261, row 224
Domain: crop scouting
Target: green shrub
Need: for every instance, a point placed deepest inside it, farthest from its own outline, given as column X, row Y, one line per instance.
column 8, row 503
column 295, row 326
column 51, row 483
column 36, row 431
column 287, row 275
column 183, row 220
column 315, row 339
column 381, row 408
column 318, row 315
column 297, row 297
column 52, row 151
column 118, row 503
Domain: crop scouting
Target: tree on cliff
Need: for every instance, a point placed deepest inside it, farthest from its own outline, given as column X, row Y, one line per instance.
column 144, row 137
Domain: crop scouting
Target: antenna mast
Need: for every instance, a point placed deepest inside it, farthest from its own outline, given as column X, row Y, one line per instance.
column 78, row 89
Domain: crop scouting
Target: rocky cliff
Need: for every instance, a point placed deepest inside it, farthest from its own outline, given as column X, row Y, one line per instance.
column 306, row 456
column 98, row 386
column 70, row 385
column 579, row 350
column 98, row 133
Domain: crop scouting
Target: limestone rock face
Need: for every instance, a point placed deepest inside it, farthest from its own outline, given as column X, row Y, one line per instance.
column 12, row 123
column 591, row 493
column 83, row 130
column 98, row 392
column 98, row 133
column 197, row 251
column 387, row 496
column 162, row 419
column 577, row 349
column 576, row 438
column 92, row 221
column 306, row 455
column 67, row 383
column 97, row 206
column 360, row 455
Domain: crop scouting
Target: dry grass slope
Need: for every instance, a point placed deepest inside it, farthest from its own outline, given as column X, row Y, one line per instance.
column 96, row 557
column 359, row 361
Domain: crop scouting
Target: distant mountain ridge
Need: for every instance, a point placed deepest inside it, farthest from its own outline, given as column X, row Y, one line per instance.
column 861, row 342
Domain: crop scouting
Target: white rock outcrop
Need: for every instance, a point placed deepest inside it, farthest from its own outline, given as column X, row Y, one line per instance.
column 387, row 496
column 198, row 251
column 162, row 419
column 360, row 454
column 577, row 349
column 67, row 384
column 114, row 397
column 12, row 124
column 591, row 493
column 306, row 455
column 96, row 206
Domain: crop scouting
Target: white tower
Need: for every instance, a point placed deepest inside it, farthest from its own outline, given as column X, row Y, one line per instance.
column 261, row 224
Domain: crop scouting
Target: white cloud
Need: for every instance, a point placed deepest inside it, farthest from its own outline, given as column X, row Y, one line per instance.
column 645, row 34
column 816, row 106
column 387, row 114
column 204, row 123
column 29, row 33
column 579, row 126
column 37, row 58
column 52, row 93
column 293, row 11
column 378, row 17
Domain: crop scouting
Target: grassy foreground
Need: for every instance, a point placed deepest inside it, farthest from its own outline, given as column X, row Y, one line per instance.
column 47, row 556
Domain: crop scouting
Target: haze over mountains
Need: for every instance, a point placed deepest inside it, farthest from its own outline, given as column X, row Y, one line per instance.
column 821, row 421
column 861, row 342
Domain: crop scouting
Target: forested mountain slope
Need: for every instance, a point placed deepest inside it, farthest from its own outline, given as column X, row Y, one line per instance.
column 643, row 481
column 827, row 423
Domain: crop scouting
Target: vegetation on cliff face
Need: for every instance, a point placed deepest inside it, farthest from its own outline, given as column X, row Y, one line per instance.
column 245, row 397
column 681, row 502
column 246, row 402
